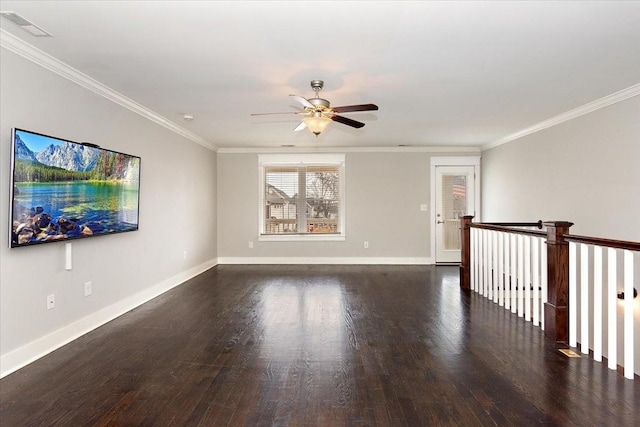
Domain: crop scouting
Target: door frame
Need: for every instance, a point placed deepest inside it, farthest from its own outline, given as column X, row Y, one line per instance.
column 451, row 161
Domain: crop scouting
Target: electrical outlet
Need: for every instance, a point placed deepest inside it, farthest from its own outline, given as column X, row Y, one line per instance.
column 51, row 301
column 366, row 245
column 250, row 244
column 87, row 289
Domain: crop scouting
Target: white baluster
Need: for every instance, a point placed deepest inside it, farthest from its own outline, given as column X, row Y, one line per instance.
column 514, row 277
column 520, row 275
column 479, row 261
column 507, row 270
column 536, row 280
column 472, row 258
column 628, row 314
column 490, row 265
column 597, row 303
column 573, row 294
column 476, row 257
column 501, row 269
column 527, row 278
column 485, row 278
column 612, row 311
column 481, row 258
column 479, row 252
column 584, row 299
column 543, row 278
column 494, row 251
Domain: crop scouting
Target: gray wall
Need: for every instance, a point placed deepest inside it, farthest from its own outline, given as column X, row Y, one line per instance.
column 177, row 214
column 384, row 191
column 586, row 171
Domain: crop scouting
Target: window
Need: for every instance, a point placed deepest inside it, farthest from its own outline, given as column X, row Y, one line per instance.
column 301, row 197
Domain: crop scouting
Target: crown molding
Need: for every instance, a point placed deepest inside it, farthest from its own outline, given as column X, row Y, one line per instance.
column 614, row 98
column 35, row 55
column 325, row 149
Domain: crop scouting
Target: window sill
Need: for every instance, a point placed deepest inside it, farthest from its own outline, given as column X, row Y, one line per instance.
column 302, row 238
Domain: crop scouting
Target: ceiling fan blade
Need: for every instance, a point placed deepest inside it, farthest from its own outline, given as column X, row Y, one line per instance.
column 301, row 126
column 348, row 122
column 302, row 101
column 350, row 108
column 267, row 114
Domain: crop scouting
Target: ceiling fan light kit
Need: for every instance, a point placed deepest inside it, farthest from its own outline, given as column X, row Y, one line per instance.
column 320, row 113
column 316, row 123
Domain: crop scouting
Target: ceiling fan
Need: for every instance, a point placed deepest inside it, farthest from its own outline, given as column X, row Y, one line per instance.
column 320, row 113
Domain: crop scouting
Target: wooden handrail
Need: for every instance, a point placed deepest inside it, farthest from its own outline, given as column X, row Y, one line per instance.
column 538, row 224
column 608, row 243
column 506, row 229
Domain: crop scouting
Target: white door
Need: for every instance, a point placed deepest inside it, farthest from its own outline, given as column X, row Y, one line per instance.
column 455, row 198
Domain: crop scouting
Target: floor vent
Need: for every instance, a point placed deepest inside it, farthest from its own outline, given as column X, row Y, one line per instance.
column 569, row 353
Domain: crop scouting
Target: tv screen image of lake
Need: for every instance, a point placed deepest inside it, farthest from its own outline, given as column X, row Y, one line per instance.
column 101, row 206
column 67, row 190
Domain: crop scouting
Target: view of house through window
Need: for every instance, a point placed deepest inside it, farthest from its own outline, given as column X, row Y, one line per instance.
column 301, row 200
column 454, row 206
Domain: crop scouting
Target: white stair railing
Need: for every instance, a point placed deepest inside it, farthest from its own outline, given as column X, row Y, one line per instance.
column 596, row 321
column 510, row 269
column 592, row 284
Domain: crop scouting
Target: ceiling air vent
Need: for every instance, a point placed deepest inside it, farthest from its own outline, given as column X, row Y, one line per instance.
column 29, row 27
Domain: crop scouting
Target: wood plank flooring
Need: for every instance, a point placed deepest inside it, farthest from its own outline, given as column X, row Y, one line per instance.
column 318, row 346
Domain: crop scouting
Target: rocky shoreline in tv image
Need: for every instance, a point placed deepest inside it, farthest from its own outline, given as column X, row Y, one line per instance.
column 38, row 225
column 35, row 225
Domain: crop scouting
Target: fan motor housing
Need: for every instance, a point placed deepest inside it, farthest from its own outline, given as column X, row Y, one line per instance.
column 319, row 102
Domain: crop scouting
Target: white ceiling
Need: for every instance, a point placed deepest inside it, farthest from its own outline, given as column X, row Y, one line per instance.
column 443, row 73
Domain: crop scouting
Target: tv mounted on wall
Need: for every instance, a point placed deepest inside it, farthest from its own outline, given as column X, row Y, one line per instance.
column 63, row 190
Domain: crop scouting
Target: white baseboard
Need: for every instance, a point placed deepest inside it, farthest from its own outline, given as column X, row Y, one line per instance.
column 34, row 350
column 327, row 260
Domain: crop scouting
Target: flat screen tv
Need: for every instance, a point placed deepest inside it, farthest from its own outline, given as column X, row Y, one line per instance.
column 62, row 190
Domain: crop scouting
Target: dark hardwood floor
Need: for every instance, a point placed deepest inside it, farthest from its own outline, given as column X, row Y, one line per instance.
column 322, row 346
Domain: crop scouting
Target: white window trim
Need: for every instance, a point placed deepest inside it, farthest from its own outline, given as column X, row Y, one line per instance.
column 301, row 160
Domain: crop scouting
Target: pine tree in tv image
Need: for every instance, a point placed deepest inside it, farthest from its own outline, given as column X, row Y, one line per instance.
column 66, row 190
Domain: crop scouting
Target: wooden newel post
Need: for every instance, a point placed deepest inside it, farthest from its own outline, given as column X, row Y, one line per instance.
column 465, row 252
column 556, row 318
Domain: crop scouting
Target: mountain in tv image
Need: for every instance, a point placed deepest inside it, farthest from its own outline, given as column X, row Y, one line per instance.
column 69, row 156
column 64, row 190
column 22, row 152
column 74, row 157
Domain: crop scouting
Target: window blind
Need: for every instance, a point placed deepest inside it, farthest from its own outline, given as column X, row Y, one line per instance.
column 302, row 199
